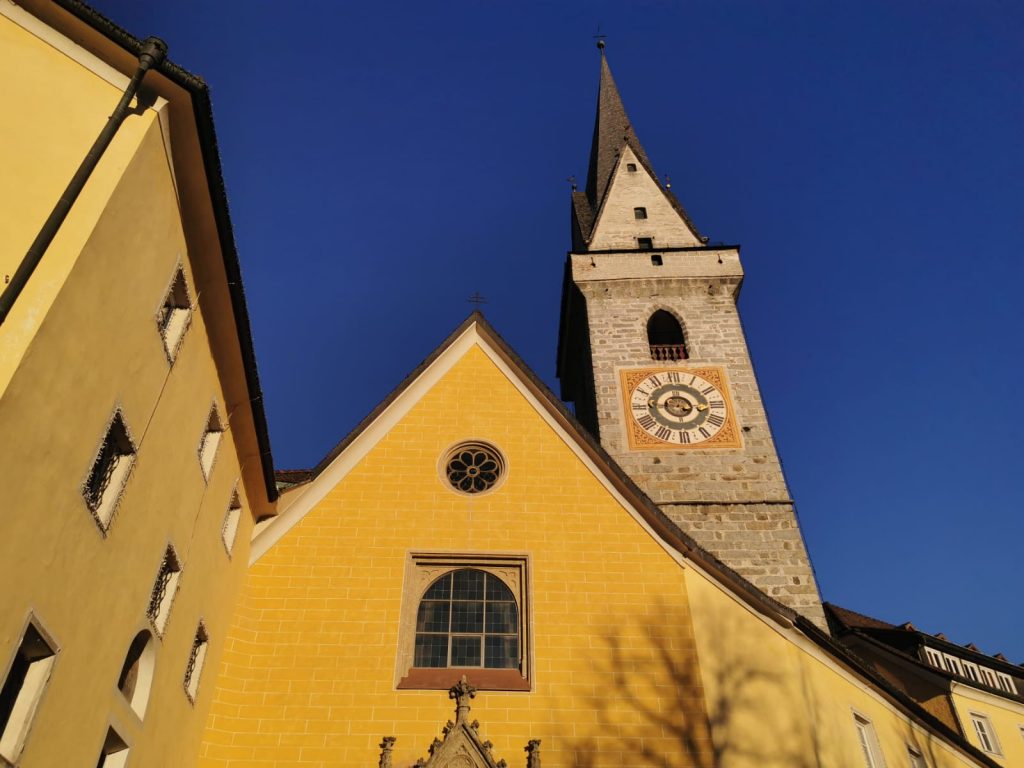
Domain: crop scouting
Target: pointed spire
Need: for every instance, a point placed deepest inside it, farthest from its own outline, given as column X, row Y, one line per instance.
column 612, row 130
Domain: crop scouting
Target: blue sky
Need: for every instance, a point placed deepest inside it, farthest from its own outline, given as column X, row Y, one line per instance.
column 386, row 160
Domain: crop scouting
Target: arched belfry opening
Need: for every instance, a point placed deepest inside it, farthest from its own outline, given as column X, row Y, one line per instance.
column 665, row 336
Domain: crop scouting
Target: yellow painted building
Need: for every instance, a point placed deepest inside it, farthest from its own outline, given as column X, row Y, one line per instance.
column 163, row 606
column 132, row 460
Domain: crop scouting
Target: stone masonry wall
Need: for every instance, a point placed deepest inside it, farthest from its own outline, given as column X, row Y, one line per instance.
column 735, row 503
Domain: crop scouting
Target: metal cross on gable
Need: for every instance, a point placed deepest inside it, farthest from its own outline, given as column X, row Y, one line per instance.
column 476, row 299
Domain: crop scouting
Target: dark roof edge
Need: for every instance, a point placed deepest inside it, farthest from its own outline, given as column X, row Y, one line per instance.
column 1007, row 667
column 909, row 706
column 664, row 526
column 203, row 109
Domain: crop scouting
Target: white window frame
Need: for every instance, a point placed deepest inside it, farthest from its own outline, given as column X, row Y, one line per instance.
column 986, row 733
column 972, row 671
column 1006, row 682
column 934, row 657
column 871, row 749
column 988, row 677
column 953, row 665
column 917, row 759
column 26, row 704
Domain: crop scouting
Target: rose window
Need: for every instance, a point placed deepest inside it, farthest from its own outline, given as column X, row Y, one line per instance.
column 474, row 467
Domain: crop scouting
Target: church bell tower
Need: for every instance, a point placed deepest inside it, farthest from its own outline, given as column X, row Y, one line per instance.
column 652, row 353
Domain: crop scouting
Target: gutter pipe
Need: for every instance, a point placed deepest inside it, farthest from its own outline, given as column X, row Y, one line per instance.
column 154, row 50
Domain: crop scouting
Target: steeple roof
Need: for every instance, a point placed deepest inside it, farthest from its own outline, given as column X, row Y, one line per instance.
column 612, row 129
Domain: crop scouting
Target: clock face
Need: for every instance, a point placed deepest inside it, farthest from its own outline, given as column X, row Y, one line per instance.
column 678, row 407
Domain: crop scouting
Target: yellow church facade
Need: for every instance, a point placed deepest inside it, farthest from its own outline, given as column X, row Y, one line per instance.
column 474, row 575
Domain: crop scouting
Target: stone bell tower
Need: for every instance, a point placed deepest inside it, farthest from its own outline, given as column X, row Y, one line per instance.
column 652, row 353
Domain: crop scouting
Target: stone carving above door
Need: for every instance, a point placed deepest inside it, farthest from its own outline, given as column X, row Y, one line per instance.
column 462, row 746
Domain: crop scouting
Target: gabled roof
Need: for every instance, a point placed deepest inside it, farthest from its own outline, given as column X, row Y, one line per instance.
column 476, row 330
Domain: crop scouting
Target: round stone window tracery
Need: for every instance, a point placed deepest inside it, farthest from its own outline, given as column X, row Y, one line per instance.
column 474, row 467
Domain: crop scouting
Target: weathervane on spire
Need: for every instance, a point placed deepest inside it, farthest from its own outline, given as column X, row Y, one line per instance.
column 476, row 299
column 600, row 38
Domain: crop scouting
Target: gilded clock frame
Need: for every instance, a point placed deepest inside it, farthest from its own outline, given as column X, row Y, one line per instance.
column 640, row 440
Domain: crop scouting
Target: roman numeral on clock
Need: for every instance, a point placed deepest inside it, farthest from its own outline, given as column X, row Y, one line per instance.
column 704, row 432
column 716, row 420
column 673, row 376
column 646, row 422
column 707, row 391
column 716, row 404
column 663, row 433
column 684, row 437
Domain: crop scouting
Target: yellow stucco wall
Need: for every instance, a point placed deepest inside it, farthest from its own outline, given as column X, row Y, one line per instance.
column 1006, row 717
column 308, row 673
column 50, row 114
column 94, row 344
column 774, row 700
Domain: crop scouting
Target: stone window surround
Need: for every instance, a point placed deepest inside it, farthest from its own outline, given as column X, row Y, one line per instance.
column 174, row 327
column 421, row 570
column 18, row 728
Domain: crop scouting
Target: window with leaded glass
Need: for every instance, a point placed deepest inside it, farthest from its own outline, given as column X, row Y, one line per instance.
column 467, row 618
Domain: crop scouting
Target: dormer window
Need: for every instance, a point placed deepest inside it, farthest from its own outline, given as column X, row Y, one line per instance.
column 639, row 213
column 645, row 243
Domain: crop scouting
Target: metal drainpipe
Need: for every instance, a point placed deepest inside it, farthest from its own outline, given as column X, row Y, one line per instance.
column 153, row 52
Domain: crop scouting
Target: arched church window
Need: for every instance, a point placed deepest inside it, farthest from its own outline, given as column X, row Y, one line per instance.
column 467, row 618
column 665, row 336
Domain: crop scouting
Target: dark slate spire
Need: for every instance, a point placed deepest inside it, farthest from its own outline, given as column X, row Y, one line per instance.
column 612, row 129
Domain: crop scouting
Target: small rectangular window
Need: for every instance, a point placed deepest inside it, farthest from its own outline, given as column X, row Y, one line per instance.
column 231, row 520
column 110, row 468
column 656, row 259
column 916, row 758
column 934, row 658
column 986, row 734
column 644, row 243
column 196, row 659
column 639, row 213
column 868, row 742
column 115, row 751
column 211, row 441
column 22, row 690
column 174, row 315
column 631, row 167
column 164, row 589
